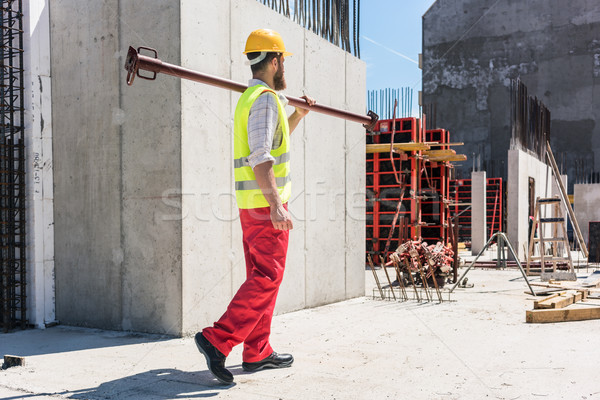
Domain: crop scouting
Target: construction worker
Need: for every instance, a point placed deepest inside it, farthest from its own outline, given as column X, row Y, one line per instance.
column 262, row 181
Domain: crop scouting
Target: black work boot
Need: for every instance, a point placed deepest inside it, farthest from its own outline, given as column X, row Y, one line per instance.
column 273, row 361
column 215, row 360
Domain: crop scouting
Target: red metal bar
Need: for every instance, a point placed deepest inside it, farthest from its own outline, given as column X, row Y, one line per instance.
column 494, row 214
column 136, row 62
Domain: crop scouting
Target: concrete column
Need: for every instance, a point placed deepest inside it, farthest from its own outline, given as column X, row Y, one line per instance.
column 478, row 211
column 39, row 173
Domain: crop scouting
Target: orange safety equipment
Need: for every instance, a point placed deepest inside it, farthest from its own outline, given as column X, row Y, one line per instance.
column 265, row 40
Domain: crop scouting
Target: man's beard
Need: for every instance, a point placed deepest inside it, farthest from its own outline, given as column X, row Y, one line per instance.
column 279, row 79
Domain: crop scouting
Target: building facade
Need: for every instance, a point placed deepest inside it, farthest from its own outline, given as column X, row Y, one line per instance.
column 473, row 48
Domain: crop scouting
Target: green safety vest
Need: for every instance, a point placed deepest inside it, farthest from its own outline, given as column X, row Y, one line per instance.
column 247, row 191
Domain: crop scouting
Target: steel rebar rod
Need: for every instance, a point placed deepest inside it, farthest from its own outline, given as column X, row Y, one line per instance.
column 136, row 62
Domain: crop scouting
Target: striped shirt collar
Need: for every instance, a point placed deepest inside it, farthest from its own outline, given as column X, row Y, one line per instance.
column 254, row 82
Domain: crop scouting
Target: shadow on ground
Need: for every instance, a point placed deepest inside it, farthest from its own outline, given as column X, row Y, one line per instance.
column 151, row 385
column 62, row 339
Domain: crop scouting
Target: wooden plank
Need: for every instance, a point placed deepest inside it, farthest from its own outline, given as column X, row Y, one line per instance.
column 457, row 157
column 560, row 301
column 562, row 315
column 385, row 147
column 536, row 303
column 438, row 144
column 439, row 153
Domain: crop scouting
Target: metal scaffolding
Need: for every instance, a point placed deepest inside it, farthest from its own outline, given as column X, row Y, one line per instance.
column 13, row 312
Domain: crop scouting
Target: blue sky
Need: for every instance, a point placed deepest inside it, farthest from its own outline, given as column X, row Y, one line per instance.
column 390, row 43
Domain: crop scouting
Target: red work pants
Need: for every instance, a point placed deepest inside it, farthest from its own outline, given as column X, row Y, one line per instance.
column 248, row 316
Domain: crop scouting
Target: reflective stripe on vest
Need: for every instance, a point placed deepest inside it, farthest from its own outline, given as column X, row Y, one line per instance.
column 243, row 161
column 248, row 193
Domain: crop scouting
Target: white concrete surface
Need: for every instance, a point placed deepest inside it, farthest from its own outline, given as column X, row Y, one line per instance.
column 522, row 166
column 39, row 173
column 475, row 347
column 478, row 211
column 586, row 207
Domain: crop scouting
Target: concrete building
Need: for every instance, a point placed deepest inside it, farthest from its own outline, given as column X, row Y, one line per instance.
column 473, row 48
column 133, row 221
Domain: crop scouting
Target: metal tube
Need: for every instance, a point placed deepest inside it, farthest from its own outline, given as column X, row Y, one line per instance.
column 136, row 62
column 501, row 234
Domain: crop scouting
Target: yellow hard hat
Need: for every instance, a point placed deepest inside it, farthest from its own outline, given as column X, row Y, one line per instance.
column 266, row 40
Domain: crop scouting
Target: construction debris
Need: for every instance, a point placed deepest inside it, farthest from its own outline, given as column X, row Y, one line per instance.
column 419, row 266
column 13, row 361
column 560, row 299
column 570, row 301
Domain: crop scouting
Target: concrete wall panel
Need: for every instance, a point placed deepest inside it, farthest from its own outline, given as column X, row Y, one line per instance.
column 150, row 168
column 587, row 198
column 87, row 208
column 522, row 166
column 355, row 167
column 325, row 176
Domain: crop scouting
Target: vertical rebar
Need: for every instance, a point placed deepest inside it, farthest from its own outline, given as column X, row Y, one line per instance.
column 13, row 309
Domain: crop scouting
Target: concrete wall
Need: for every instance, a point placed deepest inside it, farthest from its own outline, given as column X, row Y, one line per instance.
column 117, row 150
column 471, row 50
column 521, row 167
column 586, row 207
column 147, row 229
column 327, row 242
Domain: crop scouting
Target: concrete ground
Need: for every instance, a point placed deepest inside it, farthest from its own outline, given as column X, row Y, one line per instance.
column 474, row 347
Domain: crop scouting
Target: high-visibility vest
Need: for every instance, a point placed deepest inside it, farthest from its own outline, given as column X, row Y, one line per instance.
column 247, row 191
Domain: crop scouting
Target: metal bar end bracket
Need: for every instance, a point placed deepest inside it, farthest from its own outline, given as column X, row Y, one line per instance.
column 132, row 64
column 371, row 125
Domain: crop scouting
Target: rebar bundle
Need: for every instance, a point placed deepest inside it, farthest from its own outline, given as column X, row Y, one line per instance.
column 12, row 169
column 382, row 102
column 530, row 121
column 329, row 19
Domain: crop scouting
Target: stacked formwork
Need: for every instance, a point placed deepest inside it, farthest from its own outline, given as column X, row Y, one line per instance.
column 460, row 190
column 415, row 195
column 384, row 192
column 435, row 190
column 460, row 193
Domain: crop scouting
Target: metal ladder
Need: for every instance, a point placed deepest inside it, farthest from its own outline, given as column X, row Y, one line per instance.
column 540, row 221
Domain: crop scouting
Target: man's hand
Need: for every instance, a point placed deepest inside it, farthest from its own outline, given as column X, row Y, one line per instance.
column 303, row 111
column 281, row 218
column 300, row 113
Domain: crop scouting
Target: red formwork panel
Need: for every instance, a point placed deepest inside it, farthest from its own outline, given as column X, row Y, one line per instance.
column 495, row 205
column 424, row 209
column 460, row 193
column 435, row 191
column 383, row 191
